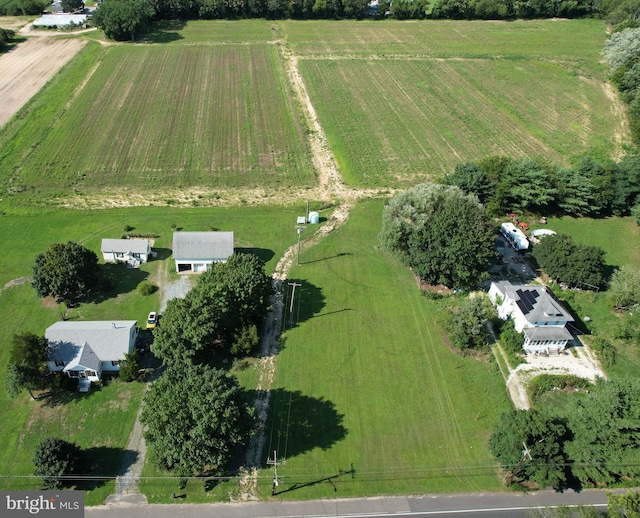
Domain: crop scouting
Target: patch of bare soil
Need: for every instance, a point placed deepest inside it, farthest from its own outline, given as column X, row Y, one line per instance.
column 28, row 66
column 621, row 131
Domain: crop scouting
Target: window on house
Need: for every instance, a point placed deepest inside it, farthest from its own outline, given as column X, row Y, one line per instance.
column 115, row 363
column 59, row 363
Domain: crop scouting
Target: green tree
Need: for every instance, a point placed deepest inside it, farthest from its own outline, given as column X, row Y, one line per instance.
column 606, row 432
column 626, row 505
column 196, row 418
column 440, row 232
column 469, row 324
column 6, row 36
column 471, row 179
column 123, row 19
column 526, row 184
column 57, row 461
column 227, row 299
column 510, row 339
column 567, row 262
column 543, row 437
column 624, row 287
column 625, row 184
column 71, row 6
column 66, row 271
column 27, row 364
column 130, row 367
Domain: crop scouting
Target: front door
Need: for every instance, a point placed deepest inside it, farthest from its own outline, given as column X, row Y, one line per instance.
column 82, row 375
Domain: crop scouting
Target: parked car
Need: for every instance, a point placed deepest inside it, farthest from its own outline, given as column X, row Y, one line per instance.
column 152, row 320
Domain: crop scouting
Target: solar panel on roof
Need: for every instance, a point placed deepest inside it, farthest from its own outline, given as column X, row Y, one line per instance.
column 523, row 306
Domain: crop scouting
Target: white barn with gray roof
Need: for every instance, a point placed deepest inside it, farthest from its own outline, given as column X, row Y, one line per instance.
column 85, row 350
column 195, row 252
column 536, row 313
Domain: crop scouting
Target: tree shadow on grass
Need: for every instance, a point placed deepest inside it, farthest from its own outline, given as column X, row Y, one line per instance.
column 106, row 463
column 299, row 423
column 165, row 31
column 119, row 279
column 264, row 254
column 301, row 302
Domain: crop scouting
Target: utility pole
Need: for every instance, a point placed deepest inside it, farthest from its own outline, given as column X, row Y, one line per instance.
column 274, row 463
column 293, row 294
column 526, row 454
column 299, row 229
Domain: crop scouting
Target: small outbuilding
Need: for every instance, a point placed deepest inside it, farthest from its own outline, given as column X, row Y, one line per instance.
column 195, row 252
column 130, row 251
column 86, row 350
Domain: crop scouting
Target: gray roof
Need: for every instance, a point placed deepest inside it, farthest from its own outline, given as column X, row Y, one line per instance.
column 107, row 340
column 203, row 246
column 547, row 333
column 125, row 246
column 60, row 20
column 536, row 303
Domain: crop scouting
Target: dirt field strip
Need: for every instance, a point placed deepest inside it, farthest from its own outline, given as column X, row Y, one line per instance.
column 26, row 68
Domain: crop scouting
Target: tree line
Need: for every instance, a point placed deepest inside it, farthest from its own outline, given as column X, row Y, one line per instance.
column 587, row 188
column 123, row 19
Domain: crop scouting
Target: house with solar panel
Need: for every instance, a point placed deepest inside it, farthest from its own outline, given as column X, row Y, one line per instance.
column 195, row 252
column 536, row 313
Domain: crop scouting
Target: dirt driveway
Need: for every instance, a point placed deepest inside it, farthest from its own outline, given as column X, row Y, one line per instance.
column 28, row 66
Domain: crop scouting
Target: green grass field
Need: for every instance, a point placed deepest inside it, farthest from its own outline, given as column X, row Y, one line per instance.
column 573, row 41
column 365, row 380
column 100, row 420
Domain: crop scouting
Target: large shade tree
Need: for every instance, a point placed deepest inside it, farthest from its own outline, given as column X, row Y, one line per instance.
column 566, row 261
column 196, row 417
column 123, row 19
column 606, row 433
column 440, row 232
column 67, row 271
column 544, row 460
column 222, row 311
column 57, row 461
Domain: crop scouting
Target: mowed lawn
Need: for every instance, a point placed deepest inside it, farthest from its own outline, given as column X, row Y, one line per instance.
column 155, row 116
column 102, row 419
column 404, row 102
column 366, row 382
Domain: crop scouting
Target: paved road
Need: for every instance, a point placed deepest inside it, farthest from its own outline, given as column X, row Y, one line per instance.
column 478, row 505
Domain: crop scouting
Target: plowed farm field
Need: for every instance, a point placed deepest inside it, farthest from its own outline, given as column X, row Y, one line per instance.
column 403, row 102
column 153, row 116
column 27, row 67
column 394, row 122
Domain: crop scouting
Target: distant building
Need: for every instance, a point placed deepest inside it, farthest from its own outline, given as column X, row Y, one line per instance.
column 195, row 252
column 536, row 313
column 54, row 21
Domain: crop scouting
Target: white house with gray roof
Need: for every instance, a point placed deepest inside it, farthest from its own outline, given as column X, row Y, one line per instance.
column 536, row 313
column 86, row 350
column 195, row 252
column 130, row 251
